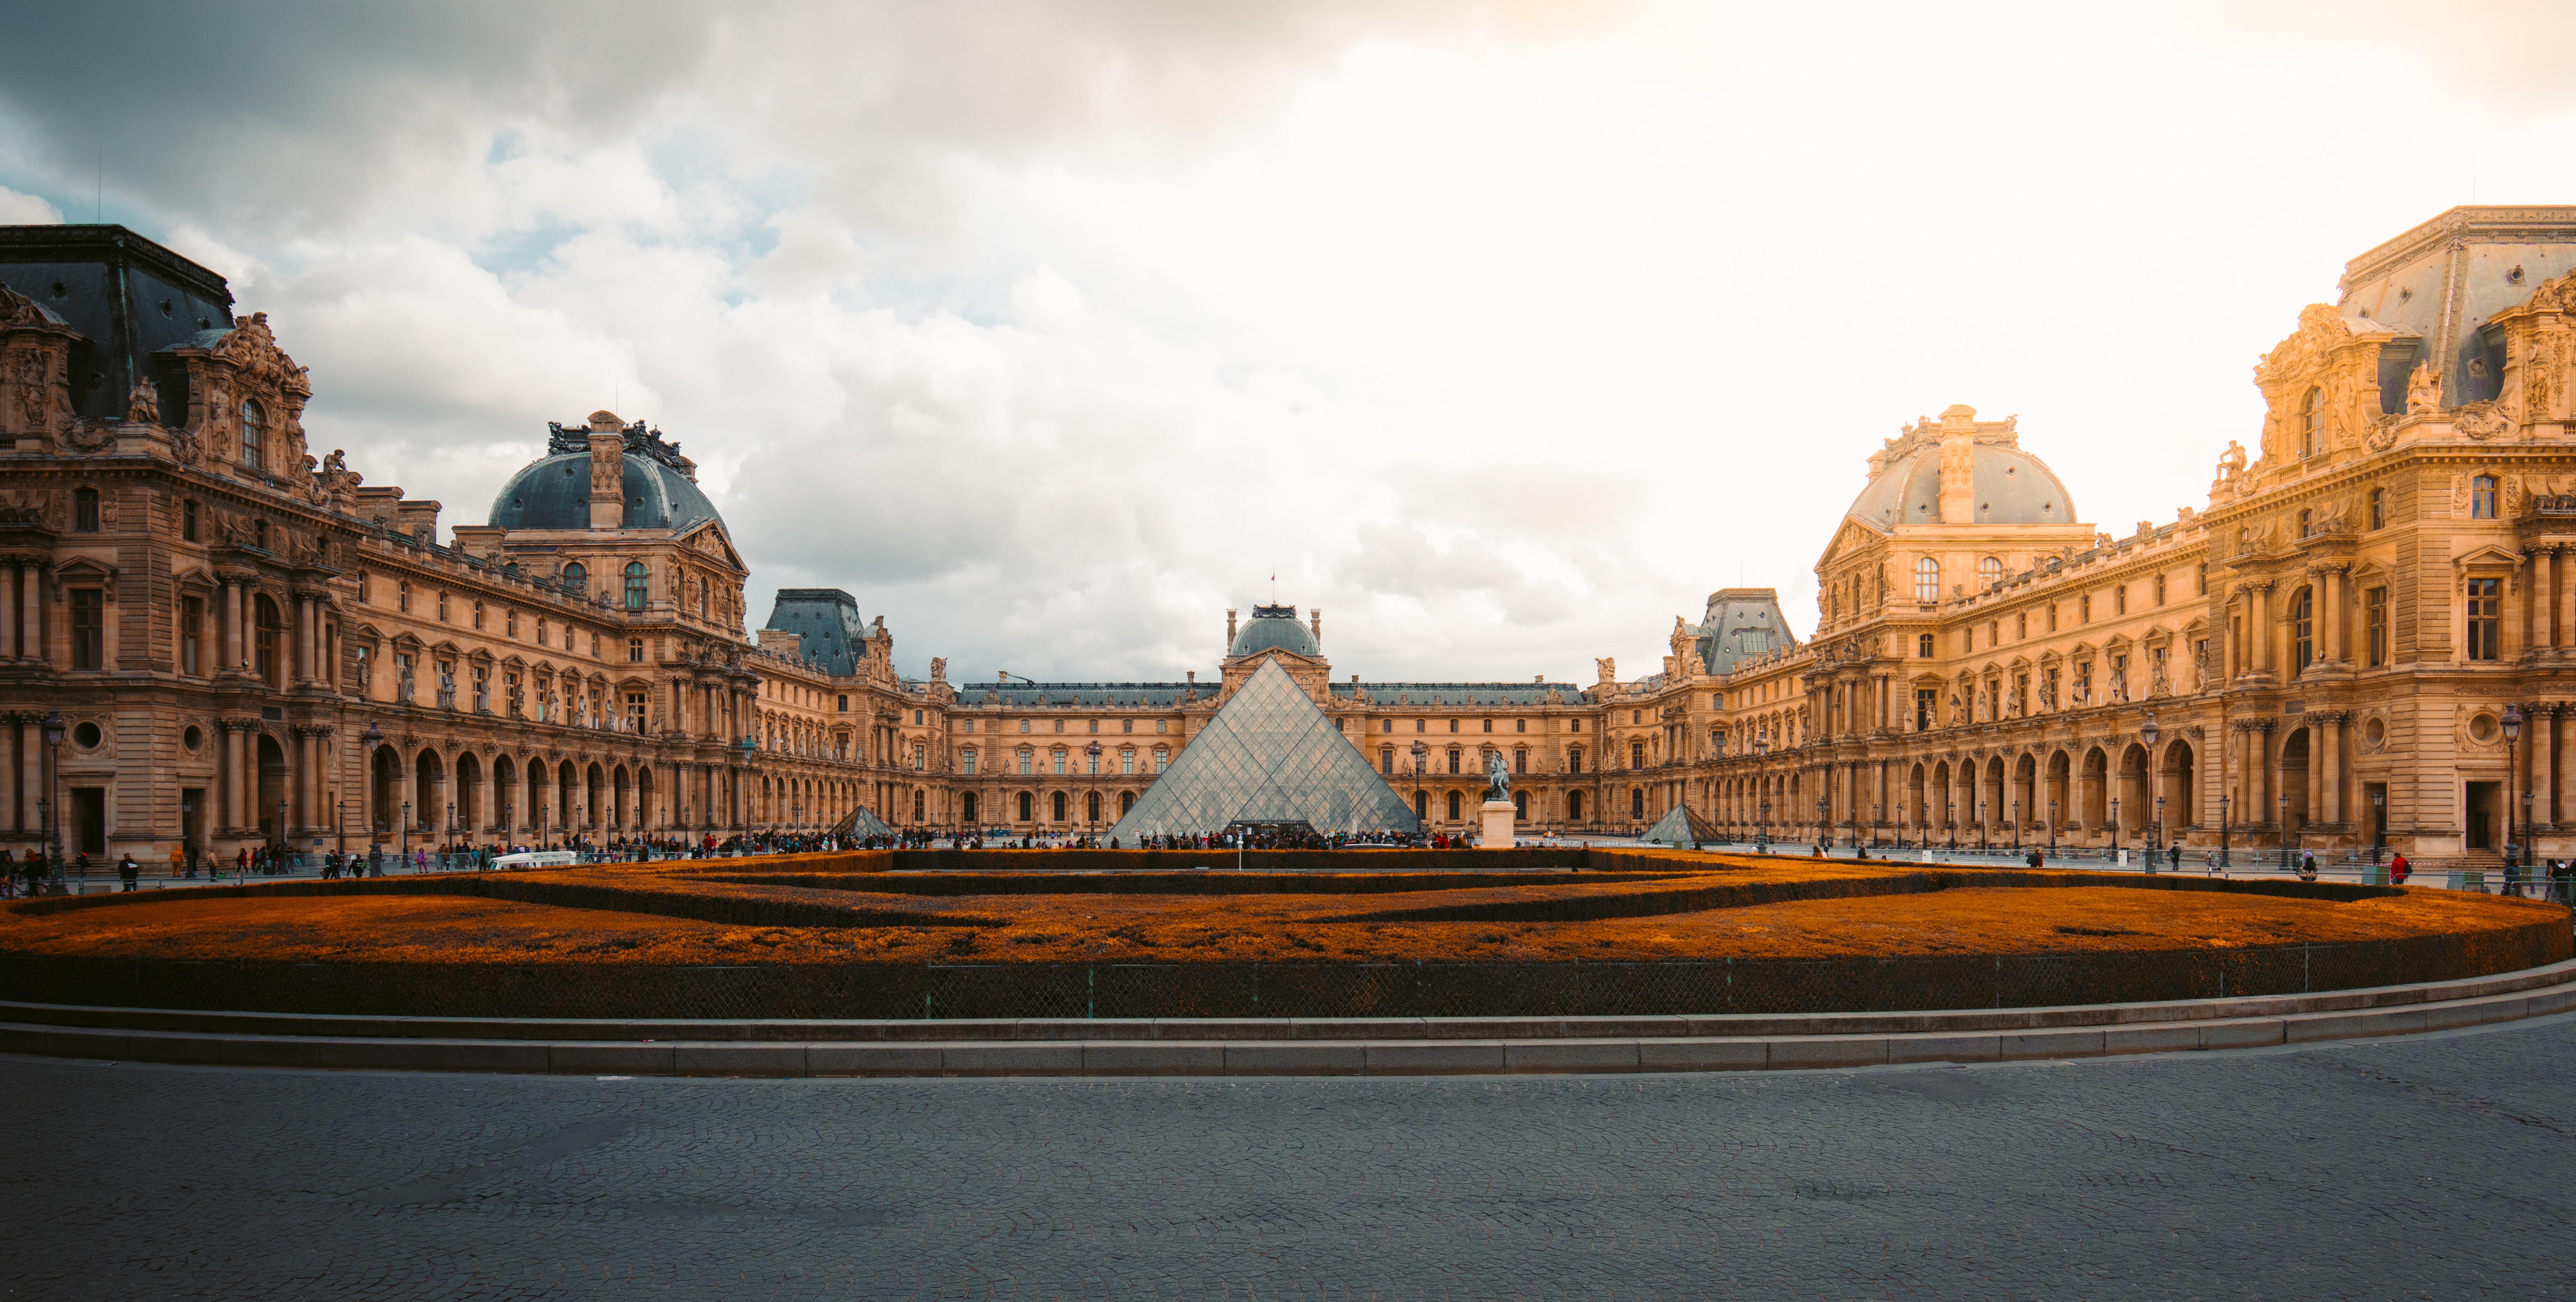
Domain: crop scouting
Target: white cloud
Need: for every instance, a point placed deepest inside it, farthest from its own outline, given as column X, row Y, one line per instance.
column 26, row 210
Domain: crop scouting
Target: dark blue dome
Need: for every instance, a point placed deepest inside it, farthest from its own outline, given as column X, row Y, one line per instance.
column 555, row 494
column 1272, row 628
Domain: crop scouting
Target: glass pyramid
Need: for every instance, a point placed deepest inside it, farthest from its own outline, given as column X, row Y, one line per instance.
column 1681, row 828
column 863, row 823
column 1269, row 756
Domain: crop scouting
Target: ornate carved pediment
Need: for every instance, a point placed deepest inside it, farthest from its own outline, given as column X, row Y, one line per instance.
column 2326, row 372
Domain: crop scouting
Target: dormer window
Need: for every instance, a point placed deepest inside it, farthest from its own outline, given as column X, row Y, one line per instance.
column 251, row 423
column 2312, row 423
column 576, row 579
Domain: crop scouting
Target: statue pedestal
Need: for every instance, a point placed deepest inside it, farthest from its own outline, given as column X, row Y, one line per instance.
column 1498, row 816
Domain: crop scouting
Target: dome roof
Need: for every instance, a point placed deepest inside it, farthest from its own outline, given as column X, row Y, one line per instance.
column 1272, row 628
column 2012, row 487
column 554, row 493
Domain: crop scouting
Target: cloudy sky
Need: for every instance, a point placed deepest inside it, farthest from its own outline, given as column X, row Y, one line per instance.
column 1501, row 332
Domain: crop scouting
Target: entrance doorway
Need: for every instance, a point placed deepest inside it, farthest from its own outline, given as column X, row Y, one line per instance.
column 2485, row 821
column 89, row 820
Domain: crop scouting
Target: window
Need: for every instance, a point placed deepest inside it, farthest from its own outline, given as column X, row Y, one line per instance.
column 2312, row 423
column 2052, row 617
column 2379, row 508
column 2482, row 498
column 916, row 718
column 1967, row 640
column 188, row 522
column 920, row 756
column 2307, row 524
column 2120, row 600
column 1453, row 759
column 2200, row 579
column 1520, row 760
column 1386, row 759
column 1925, row 700
column 1927, row 579
column 1162, row 725
column 89, row 630
column 635, row 656
column 1520, row 725
column 1127, row 763
column 541, row 630
column 634, row 711
column 1990, row 571
column 1059, row 762
column 478, row 615
column 402, row 596
column 250, row 421
column 637, row 648
column 1923, row 646
column 1636, row 754
column 482, row 690
column 635, row 585
column 2485, row 622
column 1421, row 725
column 1578, row 725
column 966, row 761
column 84, row 510
column 1058, row 802
column 1574, row 806
column 1453, row 725
column 2160, row 589
column 192, row 635
column 2021, row 625
column 1126, row 725
column 1024, row 725
column 270, row 643
column 2374, row 618
column 1637, row 802
column 2303, row 630
column 1453, row 806
column 1024, row 763
column 1024, row 805
column 1091, row 763
column 1095, row 726
column 2084, row 609
column 1994, row 632
column 1489, row 725
column 442, row 608
column 1574, row 760
column 576, row 580
column 1162, row 760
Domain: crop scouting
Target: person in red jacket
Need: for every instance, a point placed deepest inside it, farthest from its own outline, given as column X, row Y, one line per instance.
column 2398, row 871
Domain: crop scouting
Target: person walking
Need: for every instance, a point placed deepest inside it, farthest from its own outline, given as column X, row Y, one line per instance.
column 127, row 871
column 2399, row 871
column 2173, row 856
column 178, row 860
column 2034, row 859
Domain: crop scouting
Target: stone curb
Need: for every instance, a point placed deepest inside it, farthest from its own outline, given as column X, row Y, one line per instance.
column 1357, row 1053
column 1991, row 1022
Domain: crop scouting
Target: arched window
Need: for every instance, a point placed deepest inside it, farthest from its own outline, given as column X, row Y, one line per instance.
column 2307, row 525
column 1091, row 806
column 1024, row 806
column 2312, row 423
column 1923, row 645
column 2482, row 498
column 2303, row 629
column 1126, row 802
column 1990, row 570
column 250, row 422
column 1637, row 802
column 1058, row 802
column 917, row 806
column 576, row 580
column 1421, row 805
column 1520, row 806
column 1927, row 579
column 1453, row 806
column 1574, row 806
column 635, row 585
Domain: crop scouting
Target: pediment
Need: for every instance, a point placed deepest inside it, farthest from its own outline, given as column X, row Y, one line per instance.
column 2487, row 555
column 708, row 537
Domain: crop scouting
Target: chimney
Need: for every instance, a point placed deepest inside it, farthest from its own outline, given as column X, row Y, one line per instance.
column 1959, row 465
column 1315, row 622
column 607, row 481
column 1229, row 628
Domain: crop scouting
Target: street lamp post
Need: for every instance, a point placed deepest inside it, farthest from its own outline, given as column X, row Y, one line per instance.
column 2285, row 830
column 2016, row 822
column 1980, row 806
column 1091, row 802
column 2115, row 823
column 2378, row 822
column 1421, row 802
column 2512, row 735
column 2052, row 829
column 1762, row 829
column 2222, row 829
column 53, row 727
column 1950, row 816
column 283, row 848
column 2148, row 732
column 402, row 845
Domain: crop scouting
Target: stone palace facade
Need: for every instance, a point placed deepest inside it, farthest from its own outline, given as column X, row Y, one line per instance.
column 2365, row 637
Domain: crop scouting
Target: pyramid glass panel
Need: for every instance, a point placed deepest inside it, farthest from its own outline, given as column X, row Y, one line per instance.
column 1269, row 755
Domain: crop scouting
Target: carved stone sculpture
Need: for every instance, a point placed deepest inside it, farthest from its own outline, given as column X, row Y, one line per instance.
column 143, row 404
column 2424, row 390
column 1498, row 777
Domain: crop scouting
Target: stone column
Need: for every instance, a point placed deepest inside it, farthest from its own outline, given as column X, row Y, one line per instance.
column 2543, row 731
column 231, row 616
column 31, row 613
column 31, row 770
column 8, row 615
column 236, row 784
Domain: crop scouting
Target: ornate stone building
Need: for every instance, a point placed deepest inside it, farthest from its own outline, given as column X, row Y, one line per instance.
column 2364, row 636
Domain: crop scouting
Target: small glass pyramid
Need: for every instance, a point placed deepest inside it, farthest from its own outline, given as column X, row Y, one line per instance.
column 1681, row 828
column 1270, row 755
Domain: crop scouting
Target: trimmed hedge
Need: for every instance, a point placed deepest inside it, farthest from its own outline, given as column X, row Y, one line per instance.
column 1231, row 989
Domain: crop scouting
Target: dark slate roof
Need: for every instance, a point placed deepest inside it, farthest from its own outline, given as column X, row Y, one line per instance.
column 1743, row 623
column 554, row 493
column 1030, row 696
column 1272, row 627
column 1462, row 693
column 127, row 295
column 827, row 621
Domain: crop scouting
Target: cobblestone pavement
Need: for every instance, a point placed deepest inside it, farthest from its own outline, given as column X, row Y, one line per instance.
column 2435, row 1167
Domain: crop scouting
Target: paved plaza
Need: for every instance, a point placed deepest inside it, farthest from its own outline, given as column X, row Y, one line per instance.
column 2434, row 1167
